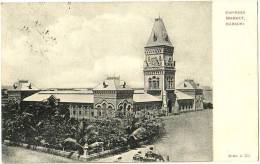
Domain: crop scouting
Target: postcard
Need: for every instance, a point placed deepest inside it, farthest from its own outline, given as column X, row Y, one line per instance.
column 136, row 81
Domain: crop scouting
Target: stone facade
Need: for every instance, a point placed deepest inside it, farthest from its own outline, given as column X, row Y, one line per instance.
column 113, row 98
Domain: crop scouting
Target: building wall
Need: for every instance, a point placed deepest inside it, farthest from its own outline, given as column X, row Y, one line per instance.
column 4, row 97
column 147, row 105
column 113, row 103
column 14, row 95
column 79, row 112
column 19, row 95
column 76, row 110
column 185, row 105
column 197, row 95
column 159, row 64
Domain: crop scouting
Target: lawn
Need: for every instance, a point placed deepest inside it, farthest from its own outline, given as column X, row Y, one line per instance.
column 189, row 137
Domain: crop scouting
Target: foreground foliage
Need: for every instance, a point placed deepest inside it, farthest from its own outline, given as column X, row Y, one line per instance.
column 49, row 125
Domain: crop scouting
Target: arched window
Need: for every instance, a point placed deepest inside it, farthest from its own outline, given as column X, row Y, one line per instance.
column 150, row 83
column 154, row 84
column 125, row 108
column 99, row 110
column 128, row 108
column 158, row 80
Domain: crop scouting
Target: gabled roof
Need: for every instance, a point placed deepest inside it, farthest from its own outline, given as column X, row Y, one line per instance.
column 23, row 85
column 141, row 96
column 188, row 84
column 69, row 97
column 182, row 96
column 112, row 83
column 158, row 35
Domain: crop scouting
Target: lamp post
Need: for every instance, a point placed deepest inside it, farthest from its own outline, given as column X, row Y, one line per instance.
column 85, row 148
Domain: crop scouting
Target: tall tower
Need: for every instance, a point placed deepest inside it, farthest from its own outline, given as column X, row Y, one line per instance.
column 159, row 66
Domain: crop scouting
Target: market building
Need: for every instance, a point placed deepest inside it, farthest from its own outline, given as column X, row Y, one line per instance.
column 113, row 97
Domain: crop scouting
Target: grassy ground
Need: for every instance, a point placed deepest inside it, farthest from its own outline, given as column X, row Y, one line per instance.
column 189, row 137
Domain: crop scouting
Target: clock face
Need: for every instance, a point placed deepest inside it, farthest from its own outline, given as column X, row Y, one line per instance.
column 154, row 61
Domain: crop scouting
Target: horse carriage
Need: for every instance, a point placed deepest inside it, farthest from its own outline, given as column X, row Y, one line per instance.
column 149, row 156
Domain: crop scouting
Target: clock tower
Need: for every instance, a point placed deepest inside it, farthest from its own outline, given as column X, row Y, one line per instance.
column 159, row 66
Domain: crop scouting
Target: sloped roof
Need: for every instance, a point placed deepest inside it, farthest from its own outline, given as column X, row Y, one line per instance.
column 158, row 35
column 141, row 96
column 188, row 84
column 70, row 97
column 112, row 83
column 182, row 96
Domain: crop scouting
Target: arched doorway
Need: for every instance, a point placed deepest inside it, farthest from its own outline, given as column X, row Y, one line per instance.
column 169, row 106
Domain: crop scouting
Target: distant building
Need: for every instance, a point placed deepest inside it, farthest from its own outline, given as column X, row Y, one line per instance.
column 20, row 90
column 208, row 100
column 194, row 91
column 4, row 95
column 207, row 92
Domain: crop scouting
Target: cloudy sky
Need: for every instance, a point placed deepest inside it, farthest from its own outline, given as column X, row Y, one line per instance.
column 79, row 44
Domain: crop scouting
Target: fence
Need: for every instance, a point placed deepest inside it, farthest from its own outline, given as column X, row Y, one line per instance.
column 71, row 155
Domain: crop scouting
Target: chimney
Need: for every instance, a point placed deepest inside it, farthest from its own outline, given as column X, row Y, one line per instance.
column 104, row 84
column 124, row 84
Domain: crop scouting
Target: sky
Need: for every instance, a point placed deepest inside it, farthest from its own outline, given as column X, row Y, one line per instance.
column 80, row 44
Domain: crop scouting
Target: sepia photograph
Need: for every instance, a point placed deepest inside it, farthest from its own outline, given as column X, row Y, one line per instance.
column 106, row 82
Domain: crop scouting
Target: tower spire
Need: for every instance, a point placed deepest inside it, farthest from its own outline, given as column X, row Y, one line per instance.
column 159, row 35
